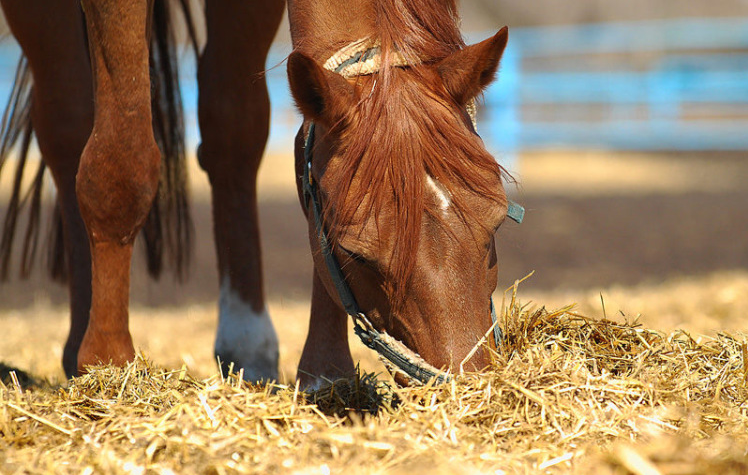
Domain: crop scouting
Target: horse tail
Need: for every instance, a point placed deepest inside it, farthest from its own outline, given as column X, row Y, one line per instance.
column 15, row 128
column 168, row 229
column 169, row 225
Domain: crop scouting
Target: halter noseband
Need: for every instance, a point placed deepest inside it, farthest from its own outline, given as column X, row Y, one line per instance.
column 396, row 355
column 360, row 58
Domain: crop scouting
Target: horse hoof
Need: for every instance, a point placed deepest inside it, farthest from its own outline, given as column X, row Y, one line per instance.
column 246, row 340
column 100, row 348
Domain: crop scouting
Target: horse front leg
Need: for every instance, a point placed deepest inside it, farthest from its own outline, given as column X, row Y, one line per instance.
column 119, row 170
column 326, row 354
column 234, row 111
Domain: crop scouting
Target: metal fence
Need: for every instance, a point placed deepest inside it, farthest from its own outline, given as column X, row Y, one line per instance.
column 654, row 85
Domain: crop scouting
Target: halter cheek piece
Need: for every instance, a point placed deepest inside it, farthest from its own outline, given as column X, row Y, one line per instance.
column 395, row 355
column 360, row 58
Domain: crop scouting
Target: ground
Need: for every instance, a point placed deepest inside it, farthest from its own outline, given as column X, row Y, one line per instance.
column 656, row 235
column 657, row 239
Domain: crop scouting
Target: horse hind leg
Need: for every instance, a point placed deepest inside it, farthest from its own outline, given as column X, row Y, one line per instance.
column 234, row 113
column 62, row 114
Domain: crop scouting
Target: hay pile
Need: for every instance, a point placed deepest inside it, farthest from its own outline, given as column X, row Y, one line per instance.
column 566, row 393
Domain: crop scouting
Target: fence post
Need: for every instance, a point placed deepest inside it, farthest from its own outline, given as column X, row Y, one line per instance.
column 501, row 125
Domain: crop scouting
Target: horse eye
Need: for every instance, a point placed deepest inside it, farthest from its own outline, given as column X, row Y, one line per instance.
column 354, row 256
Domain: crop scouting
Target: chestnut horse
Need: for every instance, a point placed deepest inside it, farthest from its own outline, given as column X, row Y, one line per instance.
column 91, row 111
column 410, row 198
column 399, row 191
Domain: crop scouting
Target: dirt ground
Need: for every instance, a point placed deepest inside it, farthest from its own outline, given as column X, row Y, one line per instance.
column 660, row 237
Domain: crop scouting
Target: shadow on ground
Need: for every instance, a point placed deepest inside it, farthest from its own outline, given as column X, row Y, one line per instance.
column 570, row 242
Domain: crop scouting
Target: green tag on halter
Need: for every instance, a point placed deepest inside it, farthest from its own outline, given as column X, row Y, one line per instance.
column 515, row 212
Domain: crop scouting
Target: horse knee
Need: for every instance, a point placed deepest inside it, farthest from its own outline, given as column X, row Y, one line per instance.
column 116, row 183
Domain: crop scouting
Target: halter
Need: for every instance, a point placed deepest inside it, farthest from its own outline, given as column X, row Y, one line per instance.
column 361, row 58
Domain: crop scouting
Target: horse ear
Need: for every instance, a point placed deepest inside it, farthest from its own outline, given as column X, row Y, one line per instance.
column 320, row 95
column 466, row 72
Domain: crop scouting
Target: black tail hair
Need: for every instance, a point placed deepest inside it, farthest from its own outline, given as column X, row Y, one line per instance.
column 168, row 229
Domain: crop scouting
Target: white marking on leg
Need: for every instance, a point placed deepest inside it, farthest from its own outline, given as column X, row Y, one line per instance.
column 442, row 195
column 245, row 337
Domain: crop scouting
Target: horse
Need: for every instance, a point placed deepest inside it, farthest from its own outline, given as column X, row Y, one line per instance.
column 408, row 195
column 401, row 197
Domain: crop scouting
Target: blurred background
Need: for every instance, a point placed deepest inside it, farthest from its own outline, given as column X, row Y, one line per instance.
column 625, row 125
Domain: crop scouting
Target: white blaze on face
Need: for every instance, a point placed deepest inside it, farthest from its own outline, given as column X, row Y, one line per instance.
column 245, row 337
column 442, row 195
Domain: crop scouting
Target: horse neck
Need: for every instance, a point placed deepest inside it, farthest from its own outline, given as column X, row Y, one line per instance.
column 320, row 28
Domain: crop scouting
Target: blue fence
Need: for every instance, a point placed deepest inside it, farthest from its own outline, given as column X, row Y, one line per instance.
column 639, row 103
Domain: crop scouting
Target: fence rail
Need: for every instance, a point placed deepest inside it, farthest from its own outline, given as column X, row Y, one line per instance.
column 656, row 74
column 663, row 67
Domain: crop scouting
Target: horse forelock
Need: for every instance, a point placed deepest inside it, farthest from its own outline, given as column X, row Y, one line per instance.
column 399, row 137
column 426, row 30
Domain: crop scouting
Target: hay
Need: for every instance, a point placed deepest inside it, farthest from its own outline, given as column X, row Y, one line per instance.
column 565, row 393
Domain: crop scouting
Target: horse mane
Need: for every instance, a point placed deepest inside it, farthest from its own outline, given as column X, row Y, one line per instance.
column 168, row 228
column 399, row 134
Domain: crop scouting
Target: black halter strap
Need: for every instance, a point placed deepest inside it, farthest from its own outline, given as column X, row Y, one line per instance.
column 394, row 352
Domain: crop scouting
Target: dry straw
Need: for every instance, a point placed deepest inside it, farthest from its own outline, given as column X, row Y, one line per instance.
column 566, row 393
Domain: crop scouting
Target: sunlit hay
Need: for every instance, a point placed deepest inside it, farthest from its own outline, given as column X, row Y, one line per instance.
column 566, row 393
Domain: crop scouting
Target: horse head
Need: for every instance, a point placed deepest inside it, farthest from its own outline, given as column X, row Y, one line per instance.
column 409, row 199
